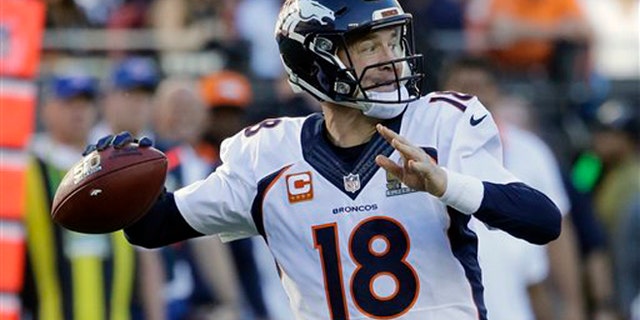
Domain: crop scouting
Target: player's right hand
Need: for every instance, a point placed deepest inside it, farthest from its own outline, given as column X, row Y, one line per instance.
column 118, row 141
column 418, row 171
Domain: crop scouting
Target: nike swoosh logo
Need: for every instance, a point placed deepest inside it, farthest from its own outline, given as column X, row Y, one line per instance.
column 474, row 122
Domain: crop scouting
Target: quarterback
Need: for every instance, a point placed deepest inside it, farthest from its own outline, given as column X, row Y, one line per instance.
column 365, row 206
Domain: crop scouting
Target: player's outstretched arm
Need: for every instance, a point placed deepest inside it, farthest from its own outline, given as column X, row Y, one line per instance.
column 515, row 207
column 162, row 225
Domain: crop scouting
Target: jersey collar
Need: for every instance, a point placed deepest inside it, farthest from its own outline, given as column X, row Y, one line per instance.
column 321, row 156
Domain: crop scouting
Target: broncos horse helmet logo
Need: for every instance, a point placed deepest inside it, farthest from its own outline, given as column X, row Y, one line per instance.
column 313, row 10
column 297, row 11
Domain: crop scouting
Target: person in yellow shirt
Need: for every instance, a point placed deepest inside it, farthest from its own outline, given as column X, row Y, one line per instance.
column 69, row 275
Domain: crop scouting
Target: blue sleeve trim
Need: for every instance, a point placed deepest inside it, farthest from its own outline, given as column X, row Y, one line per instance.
column 521, row 211
column 256, row 207
column 464, row 246
column 162, row 225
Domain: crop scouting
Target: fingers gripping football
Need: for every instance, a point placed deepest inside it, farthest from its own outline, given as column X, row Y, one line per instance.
column 418, row 170
column 118, row 141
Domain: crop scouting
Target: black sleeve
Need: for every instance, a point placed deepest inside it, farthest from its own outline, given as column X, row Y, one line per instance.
column 162, row 225
column 521, row 211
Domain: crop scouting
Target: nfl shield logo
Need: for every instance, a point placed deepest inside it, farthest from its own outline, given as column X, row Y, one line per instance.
column 352, row 182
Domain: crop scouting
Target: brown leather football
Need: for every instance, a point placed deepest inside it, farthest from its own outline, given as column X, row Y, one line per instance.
column 109, row 190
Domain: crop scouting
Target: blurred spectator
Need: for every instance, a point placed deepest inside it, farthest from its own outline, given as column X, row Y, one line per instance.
column 72, row 275
column 98, row 12
column 589, row 230
column 516, row 111
column 525, row 37
column 614, row 64
column 438, row 14
column 594, row 253
column 179, row 114
column 192, row 24
column 65, row 14
column 227, row 94
column 635, row 308
column 616, row 142
column 201, row 280
column 626, row 249
column 131, row 14
column 616, row 45
column 128, row 103
column 285, row 103
column 439, row 33
column 529, row 159
column 254, row 20
column 127, row 106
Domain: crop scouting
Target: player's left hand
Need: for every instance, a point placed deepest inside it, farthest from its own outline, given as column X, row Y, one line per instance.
column 418, row 170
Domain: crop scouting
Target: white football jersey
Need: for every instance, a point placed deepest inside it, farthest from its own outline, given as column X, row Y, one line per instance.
column 354, row 242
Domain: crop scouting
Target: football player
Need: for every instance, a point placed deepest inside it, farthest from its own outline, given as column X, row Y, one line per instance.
column 364, row 206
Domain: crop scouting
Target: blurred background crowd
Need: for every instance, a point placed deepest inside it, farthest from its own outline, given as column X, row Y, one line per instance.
column 562, row 78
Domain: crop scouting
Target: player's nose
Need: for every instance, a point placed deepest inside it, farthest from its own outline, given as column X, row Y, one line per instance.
column 386, row 55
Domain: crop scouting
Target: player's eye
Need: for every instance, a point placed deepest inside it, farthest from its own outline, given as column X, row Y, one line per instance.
column 395, row 44
column 394, row 47
column 366, row 47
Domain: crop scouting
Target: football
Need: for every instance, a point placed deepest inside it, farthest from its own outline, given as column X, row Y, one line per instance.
column 110, row 189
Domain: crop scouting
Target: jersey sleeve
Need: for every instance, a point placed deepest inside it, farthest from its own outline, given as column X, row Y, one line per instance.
column 479, row 184
column 476, row 149
column 221, row 203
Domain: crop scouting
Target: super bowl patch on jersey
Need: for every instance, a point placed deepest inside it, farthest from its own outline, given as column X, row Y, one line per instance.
column 395, row 187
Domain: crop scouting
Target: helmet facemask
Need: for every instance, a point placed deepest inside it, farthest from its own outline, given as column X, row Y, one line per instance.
column 367, row 90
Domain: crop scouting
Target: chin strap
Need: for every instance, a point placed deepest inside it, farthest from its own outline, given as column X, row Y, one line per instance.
column 388, row 110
